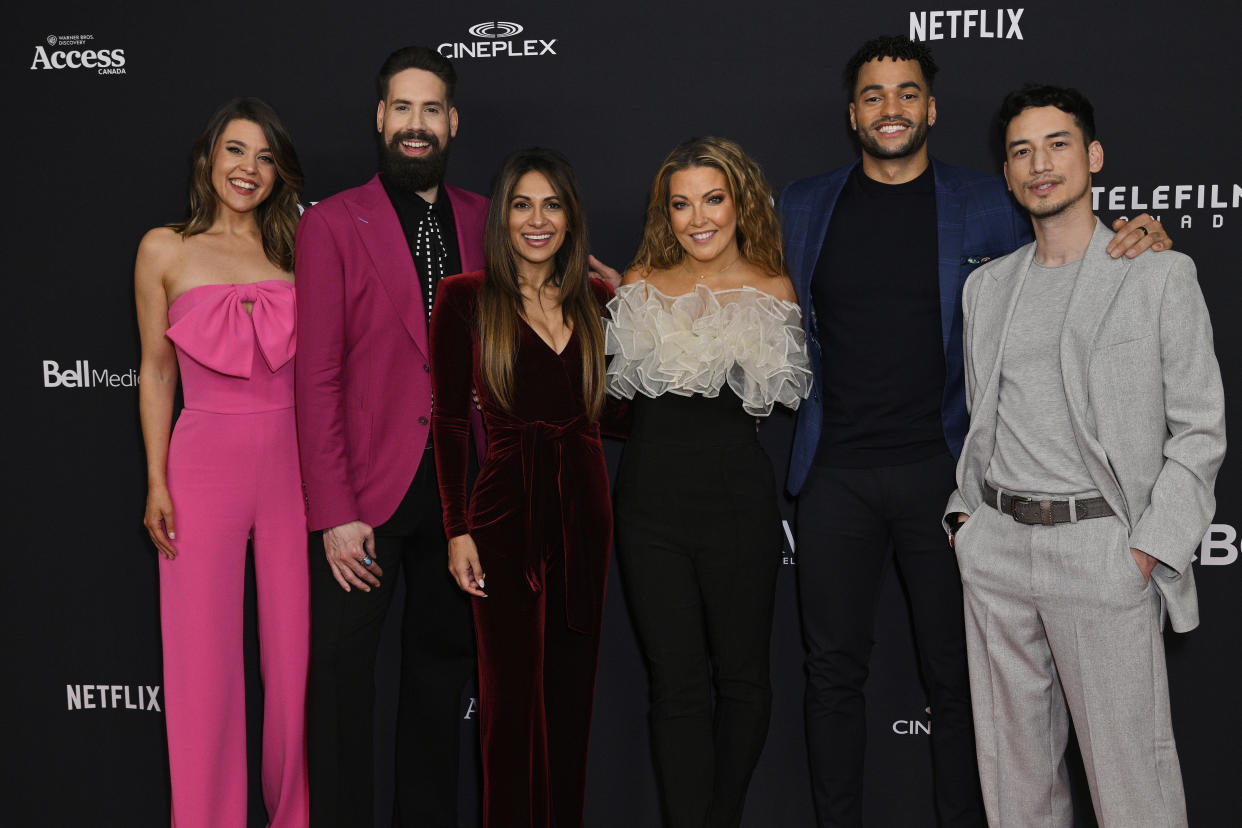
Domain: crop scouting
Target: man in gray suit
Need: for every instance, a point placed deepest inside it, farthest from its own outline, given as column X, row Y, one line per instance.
column 1097, row 429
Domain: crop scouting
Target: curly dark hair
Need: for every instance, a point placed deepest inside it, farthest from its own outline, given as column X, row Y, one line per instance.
column 897, row 47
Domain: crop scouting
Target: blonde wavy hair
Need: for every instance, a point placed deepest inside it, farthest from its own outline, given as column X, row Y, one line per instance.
column 758, row 229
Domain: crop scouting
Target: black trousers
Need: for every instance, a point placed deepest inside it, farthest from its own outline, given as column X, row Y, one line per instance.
column 437, row 661
column 848, row 520
column 699, row 550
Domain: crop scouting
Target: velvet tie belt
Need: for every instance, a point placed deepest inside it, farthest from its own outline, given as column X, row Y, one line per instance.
column 551, row 454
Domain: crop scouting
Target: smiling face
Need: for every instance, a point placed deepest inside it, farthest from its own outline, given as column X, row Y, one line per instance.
column 416, row 124
column 243, row 170
column 892, row 108
column 537, row 224
column 1048, row 163
column 702, row 213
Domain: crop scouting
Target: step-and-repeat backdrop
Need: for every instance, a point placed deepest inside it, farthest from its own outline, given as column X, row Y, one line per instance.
column 105, row 100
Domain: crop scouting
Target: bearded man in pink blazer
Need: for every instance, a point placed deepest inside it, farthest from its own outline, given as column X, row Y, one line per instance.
column 368, row 263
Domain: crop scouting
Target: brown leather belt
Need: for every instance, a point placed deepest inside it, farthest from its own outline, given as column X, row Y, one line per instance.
column 1034, row 512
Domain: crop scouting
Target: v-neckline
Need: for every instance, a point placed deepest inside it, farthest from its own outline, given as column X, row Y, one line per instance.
column 572, row 333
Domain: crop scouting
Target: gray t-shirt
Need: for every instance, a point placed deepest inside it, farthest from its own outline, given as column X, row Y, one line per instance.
column 1036, row 452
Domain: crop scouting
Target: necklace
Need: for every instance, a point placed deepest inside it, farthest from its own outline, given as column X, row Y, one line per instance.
column 702, row 276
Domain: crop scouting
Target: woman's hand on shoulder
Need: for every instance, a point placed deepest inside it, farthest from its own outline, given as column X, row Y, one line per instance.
column 601, row 271
column 464, row 565
column 159, row 521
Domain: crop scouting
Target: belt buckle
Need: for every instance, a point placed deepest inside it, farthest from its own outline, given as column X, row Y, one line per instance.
column 1014, row 500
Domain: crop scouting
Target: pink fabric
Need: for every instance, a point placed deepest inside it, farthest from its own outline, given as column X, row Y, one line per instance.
column 233, row 474
column 363, row 371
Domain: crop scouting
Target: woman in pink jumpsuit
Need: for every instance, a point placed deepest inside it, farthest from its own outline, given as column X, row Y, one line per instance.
column 216, row 307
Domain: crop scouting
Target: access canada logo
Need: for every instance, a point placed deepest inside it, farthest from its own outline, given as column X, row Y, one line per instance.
column 81, row 375
column 75, row 52
column 955, row 24
column 495, row 38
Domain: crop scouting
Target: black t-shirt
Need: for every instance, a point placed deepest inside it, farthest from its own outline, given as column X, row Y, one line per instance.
column 876, row 291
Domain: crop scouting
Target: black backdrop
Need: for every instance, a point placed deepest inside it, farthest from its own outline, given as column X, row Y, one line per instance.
column 95, row 156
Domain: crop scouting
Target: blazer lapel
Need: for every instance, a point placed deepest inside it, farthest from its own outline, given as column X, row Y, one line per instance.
column 950, row 230
column 818, row 216
column 1099, row 279
column 469, row 231
column 381, row 234
column 992, row 313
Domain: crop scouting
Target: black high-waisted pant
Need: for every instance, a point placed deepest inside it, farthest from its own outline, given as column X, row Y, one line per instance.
column 699, row 548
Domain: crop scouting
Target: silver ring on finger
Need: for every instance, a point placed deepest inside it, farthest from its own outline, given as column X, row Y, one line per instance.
column 366, row 561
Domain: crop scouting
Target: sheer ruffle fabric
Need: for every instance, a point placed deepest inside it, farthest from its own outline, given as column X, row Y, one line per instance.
column 695, row 343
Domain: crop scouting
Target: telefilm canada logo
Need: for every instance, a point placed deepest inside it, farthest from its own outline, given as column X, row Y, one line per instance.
column 1181, row 206
column 495, row 39
column 953, row 24
column 113, row 697
column 81, row 375
column 78, row 51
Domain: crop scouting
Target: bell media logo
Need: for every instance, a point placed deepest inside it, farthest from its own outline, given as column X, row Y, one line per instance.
column 82, row 375
column 103, row 61
column 1219, row 546
column 494, row 41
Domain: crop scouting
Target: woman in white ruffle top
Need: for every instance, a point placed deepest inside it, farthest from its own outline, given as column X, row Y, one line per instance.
column 705, row 336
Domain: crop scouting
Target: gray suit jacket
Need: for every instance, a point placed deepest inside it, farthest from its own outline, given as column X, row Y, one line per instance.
column 1144, row 393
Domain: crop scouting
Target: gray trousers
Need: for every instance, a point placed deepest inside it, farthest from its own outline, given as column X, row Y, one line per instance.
column 1061, row 617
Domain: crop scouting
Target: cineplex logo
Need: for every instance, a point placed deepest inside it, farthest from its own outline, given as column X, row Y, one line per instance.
column 55, row 56
column 913, row 727
column 494, row 42
column 113, row 697
column 82, row 375
column 1002, row 24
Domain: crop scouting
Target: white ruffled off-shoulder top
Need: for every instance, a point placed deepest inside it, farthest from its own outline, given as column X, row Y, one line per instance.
column 696, row 342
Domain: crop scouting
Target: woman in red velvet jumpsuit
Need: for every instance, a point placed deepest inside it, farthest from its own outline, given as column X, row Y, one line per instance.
column 531, row 542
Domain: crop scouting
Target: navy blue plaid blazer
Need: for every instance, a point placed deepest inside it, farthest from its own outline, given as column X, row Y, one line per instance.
column 976, row 220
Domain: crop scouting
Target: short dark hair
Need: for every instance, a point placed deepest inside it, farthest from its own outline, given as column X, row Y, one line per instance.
column 417, row 57
column 1067, row 100
column 897, row 47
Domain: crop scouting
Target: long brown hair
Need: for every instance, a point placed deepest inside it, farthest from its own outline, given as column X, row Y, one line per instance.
column 277, row 216
column 758, row 230
column 500, row 300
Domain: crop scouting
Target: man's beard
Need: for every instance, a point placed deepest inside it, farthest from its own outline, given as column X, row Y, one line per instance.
column 1043, row 210
column 914, row 142
column 413, row 175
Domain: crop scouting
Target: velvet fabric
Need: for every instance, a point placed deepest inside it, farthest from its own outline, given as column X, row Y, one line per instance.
column 541, row 518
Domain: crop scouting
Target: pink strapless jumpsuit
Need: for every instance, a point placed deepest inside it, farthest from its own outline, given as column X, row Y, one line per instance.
column 232, row 474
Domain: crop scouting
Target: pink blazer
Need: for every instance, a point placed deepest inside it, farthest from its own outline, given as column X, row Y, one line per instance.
column 362, row 372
